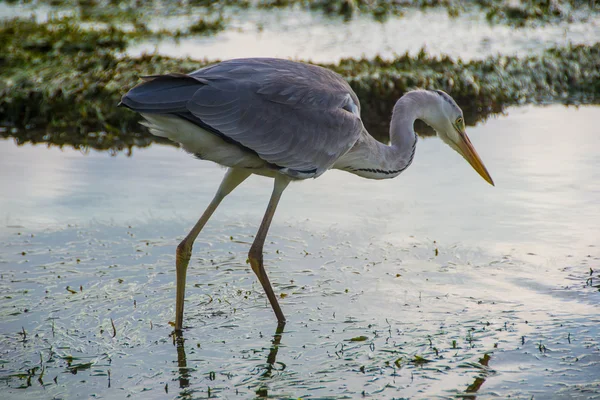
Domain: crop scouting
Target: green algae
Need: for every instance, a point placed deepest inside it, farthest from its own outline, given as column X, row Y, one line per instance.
column 20, row 38
column 481, row 87
column 60, row 84
column 379, row 9
column 526, row 12
column 207, row 26
column 516, row 12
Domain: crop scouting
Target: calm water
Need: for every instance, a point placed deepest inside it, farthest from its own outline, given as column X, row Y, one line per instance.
column 435, row 269
column 312, row 36
column 454, row 288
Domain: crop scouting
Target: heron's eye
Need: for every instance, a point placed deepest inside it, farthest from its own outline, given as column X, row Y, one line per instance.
column 459, row 122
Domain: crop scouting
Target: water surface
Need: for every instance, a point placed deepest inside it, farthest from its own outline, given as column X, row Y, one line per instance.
column 453, row 287
column 311, row 36
column 304, row 35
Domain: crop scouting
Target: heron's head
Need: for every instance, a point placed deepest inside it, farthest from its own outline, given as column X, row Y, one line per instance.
column 446, row 117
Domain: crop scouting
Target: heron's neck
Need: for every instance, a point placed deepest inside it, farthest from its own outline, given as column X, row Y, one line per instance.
column 372, row 159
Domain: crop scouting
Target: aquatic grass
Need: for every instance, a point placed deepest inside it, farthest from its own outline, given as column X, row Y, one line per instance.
column 407, row 350
column 25, row 36
column 526, row 12
column 482, row 87
column 60, row 84
column 204, row 26
column 516, row 13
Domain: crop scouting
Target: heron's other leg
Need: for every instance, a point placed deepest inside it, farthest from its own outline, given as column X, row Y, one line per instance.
column 232, row 179
column 256, row 251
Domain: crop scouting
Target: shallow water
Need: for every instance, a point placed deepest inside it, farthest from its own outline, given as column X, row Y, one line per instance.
column 450, row 287
column 305, row 35
column 311, row 36
column 434, row 270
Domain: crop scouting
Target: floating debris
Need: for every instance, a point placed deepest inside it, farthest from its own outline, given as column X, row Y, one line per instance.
column 113, row 327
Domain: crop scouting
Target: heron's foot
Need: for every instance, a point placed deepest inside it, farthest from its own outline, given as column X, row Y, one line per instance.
column 256, row 263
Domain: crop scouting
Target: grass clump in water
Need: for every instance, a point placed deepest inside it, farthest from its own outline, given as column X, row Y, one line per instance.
column 481, row 87
column 379, row 9
column 512, row 12
column 207, row 27
column 517, row 12
column 56, row 36
column 524, row 12
column 63, row 85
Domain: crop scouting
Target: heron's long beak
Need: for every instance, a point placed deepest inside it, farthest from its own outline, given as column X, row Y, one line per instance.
column 466, row 149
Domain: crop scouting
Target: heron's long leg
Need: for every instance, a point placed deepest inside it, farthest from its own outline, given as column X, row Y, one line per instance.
column 232, row 179
column 256, row 251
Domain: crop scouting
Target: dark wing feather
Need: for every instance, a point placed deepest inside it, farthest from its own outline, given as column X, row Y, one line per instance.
column 161, row 94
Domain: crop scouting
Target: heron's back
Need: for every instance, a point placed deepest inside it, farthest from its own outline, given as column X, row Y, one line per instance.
column 297, row 118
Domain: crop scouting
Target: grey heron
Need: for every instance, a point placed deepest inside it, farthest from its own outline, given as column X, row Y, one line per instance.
column 285, row 120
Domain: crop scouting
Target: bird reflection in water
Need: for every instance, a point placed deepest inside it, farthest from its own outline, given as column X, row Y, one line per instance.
column 183, row 370
column 271, row 361
column 184, row 373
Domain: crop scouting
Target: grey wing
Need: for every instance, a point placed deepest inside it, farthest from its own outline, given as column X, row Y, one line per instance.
column 298, row 117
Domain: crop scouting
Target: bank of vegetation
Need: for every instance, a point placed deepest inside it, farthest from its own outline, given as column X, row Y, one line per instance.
column 61, row 83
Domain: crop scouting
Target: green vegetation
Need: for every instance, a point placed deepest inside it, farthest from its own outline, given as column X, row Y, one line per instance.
column 379, row 9
column 60, row 84
column 207, row 27
column 480, row 87
column 523, row 12
column 518, row 12
column 515, row 12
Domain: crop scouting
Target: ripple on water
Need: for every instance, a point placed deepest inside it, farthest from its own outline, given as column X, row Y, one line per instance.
column 369, row 321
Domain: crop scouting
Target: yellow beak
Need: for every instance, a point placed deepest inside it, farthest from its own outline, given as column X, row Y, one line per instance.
column 466, row 149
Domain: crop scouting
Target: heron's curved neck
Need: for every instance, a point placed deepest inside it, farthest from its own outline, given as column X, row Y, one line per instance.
column 403, row 139
column 370, row 158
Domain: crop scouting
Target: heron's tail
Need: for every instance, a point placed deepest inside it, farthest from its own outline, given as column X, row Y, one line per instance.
column 161, row 94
